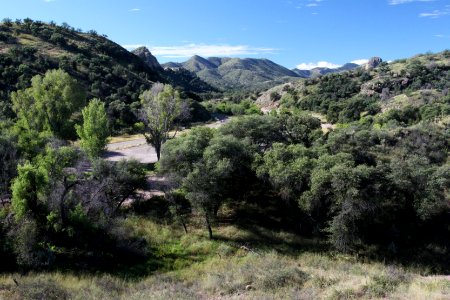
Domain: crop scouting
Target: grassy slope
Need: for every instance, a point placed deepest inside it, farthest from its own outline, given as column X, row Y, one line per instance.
column 282, row 266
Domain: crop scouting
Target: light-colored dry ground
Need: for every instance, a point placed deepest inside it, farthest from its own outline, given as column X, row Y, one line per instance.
column 135, row 146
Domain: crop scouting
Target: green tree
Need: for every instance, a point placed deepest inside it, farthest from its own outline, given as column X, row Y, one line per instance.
column 49, row 104
column 162, row 105
column 94, row 130
column 28, row 190
column 222, row 174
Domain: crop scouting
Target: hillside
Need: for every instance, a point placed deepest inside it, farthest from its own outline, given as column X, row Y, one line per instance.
column 417, row 86
column 236, row 73
column 103, row 68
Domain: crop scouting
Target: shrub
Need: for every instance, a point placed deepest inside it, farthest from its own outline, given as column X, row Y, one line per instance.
column 42, row 290
column 265, row 273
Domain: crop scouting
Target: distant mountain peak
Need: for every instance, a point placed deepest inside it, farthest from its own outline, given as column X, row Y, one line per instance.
column 147, row 57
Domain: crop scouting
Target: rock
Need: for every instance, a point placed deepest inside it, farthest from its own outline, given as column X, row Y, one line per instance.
column 374, row 62
column 248, row 287
column 145, row 54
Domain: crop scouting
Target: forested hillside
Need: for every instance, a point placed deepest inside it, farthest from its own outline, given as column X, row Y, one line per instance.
column 103, row 68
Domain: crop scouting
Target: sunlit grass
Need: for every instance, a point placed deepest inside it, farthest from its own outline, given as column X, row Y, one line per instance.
column 190, row 266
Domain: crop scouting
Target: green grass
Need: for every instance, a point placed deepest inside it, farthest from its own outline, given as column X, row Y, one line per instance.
column 190, row 266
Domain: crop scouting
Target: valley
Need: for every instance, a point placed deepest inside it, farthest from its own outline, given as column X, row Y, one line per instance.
column 218, row 177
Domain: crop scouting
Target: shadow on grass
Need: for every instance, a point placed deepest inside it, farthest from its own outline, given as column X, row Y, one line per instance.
column 284, row 228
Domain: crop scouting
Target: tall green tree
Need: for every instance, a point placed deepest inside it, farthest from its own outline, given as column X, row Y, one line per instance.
column 162, row 105
column 49, row 104
column 94, row 130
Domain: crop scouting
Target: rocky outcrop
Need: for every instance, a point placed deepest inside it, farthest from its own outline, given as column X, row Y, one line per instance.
column 145, row 54
column 374, row 62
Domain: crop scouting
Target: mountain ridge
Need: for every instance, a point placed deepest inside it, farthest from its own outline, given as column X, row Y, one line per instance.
column 234, row 73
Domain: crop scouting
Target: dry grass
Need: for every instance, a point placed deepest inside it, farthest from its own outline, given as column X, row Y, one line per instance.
column 193, row 267
column 124, row 138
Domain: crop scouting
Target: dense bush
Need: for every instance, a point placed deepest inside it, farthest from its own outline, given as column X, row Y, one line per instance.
column 358, row 187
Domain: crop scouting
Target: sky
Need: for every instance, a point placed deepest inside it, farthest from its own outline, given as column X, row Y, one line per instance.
column 293, row 33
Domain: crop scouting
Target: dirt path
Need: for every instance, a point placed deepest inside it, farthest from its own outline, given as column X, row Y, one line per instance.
column 138, row 149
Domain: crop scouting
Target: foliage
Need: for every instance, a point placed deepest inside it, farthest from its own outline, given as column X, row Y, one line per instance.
column 49, row 104
column 209, row 169
column 94, row 130
column 162, row 105
column 8, row 163
column 58, row 206
column 106, row 70
column 354, row 184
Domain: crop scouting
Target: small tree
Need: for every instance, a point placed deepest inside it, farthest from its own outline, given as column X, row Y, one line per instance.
column 162, row 105
column 94, row 130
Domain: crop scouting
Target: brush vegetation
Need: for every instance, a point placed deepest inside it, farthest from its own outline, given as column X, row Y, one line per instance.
column 266, row 206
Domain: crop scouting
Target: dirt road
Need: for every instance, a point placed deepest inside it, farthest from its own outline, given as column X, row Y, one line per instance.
column 138, row 149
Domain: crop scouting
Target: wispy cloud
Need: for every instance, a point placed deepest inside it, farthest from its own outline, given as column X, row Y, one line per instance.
column 49, row 1
column 441, row 36
column 436, row 13
column 135, row 9
column 309, row 4
column 189, row 50
column 397, row 2
column 320, row 64
column 360, row 61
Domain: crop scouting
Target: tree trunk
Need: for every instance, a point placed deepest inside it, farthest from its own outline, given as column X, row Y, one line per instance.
column 184, row 226
column 158, row 151
column 208, row 225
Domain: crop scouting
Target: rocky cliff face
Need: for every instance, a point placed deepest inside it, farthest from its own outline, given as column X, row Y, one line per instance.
column 147, row 57
column 374, row 62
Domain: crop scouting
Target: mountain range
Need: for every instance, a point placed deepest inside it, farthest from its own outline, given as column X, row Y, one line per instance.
column 110, row 72
column 248, row 73
column 235, row 73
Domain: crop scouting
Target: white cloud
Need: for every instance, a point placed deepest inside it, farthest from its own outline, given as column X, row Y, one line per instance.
column 360, row 61
column 397, row 2
column 135, row 9
column 312, row 4
column 49, row 1
column 205, row 50
column 436, row 13
column 320, row 64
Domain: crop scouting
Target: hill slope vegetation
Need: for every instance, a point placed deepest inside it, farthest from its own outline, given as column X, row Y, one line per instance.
column 104, row 69
column 236, row 73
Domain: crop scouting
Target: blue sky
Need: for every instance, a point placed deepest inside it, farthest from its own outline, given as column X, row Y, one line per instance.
column 289, row 32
